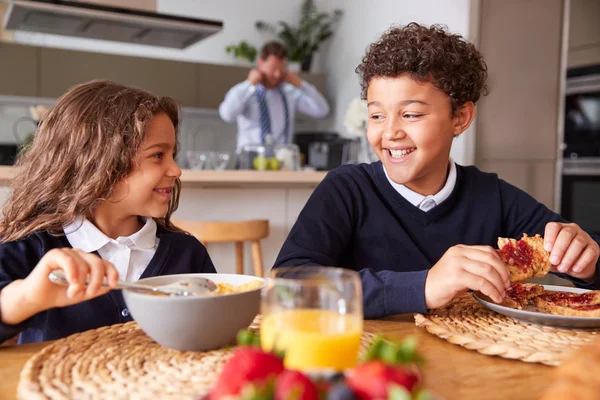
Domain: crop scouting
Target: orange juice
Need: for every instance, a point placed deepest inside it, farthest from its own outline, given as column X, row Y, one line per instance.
column 313, row 339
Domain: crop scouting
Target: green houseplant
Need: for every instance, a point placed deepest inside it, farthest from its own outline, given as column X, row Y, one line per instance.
column 243, row 50
column 304, row 40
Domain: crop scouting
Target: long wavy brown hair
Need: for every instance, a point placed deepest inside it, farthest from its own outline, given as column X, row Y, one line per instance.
column 84, row 146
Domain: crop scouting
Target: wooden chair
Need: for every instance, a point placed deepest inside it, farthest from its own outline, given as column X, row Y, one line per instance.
column 228, row 231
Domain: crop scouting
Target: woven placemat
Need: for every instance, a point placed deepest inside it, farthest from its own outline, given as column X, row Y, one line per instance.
column 467, row 323
column 121, row 361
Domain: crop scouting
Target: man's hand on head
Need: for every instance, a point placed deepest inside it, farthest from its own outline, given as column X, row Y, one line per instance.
column 255, row 76
column 292, row 78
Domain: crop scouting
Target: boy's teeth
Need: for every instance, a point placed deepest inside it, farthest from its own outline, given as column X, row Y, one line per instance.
column 400, row 153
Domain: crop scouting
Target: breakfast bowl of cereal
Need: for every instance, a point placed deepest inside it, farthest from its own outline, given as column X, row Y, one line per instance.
column 196, row 323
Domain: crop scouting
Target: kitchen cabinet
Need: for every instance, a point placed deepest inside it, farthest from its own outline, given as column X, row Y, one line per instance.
column 61, row 69
column 48, row 72
column 19, row 70
column 517, row 123
column 584, row 33
column 215, row 80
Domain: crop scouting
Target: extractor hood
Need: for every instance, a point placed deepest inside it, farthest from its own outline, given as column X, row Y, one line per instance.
column 94, row 21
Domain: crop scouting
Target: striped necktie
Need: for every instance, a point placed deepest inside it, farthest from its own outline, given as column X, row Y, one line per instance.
column 265, row 118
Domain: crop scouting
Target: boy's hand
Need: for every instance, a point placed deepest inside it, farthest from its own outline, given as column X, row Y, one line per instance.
column 572, row 250
column 466, row 267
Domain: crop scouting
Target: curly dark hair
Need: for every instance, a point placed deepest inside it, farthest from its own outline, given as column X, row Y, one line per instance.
column 428, row 54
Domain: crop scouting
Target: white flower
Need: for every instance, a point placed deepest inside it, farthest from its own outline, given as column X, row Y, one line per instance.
column 356, row 117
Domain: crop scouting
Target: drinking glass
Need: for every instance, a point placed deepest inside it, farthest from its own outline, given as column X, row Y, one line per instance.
column 197, row 159
column 219, row 159
column 314, row 316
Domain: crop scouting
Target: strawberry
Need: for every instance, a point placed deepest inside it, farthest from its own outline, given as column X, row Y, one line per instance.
column 294, row 385
column 372, row 379
column 248, row 365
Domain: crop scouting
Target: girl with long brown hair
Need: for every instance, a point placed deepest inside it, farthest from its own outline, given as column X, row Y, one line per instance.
column 93, row 196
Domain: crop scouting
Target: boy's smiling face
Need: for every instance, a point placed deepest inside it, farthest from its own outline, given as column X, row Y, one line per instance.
column 411, row 128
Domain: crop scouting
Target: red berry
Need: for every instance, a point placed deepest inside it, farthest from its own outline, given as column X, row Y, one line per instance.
column 371, row 379
column 295, row 385
column 246, row 365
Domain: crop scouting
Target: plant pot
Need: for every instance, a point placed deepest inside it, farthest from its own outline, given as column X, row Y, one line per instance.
column 306, row 62
column 293, row 66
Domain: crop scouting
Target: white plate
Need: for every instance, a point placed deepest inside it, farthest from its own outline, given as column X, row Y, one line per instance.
column 531, row 315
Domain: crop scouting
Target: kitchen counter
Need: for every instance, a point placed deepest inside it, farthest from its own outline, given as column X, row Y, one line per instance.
column 228, row 178
column 243, row 178
column 234, row 195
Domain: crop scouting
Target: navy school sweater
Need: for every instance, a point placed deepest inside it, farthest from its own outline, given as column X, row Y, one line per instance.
column 177, row 253
column 355, row 219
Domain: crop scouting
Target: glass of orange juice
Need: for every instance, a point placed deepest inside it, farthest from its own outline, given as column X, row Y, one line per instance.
column 314, row 316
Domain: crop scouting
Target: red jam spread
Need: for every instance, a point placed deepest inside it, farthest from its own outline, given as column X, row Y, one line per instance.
column 520, row 255
column 583, row 299
column 517, row 290
column 591, row 307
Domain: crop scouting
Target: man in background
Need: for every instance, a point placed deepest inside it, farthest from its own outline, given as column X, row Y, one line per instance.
column 265, row 104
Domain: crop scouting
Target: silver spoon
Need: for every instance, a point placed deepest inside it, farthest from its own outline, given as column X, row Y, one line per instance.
column 192, row 286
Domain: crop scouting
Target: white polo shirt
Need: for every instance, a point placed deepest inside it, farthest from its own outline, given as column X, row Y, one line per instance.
column 130, row 254
column 427, row 203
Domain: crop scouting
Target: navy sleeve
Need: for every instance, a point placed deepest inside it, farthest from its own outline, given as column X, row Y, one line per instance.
column 17, row 260
column 324, row 232
column 392, row 292
column 207, row 266
column 523, row 214
column 193, row 253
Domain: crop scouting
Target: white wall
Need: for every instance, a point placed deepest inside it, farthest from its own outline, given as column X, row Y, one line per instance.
column 363, row 23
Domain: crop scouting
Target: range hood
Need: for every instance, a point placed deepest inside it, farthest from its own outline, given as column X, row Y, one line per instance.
column 96, row 21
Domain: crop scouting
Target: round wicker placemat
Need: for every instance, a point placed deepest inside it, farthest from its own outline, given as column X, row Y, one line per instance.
column 118, row 362
column 467, row 323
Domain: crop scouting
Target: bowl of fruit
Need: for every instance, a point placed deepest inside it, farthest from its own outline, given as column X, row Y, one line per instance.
column 387, row 370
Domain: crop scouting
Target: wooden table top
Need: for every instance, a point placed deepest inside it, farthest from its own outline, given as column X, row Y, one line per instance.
column 451, row 372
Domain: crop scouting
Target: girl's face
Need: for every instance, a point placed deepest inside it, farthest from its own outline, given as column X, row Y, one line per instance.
column 147, row 189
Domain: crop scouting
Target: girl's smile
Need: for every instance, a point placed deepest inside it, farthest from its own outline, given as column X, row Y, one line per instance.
column 164, row 192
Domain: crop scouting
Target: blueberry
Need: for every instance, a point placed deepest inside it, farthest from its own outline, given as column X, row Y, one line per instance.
column 338, row 376
column 341, row 391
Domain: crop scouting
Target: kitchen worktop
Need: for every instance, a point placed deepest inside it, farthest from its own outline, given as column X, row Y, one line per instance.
column 227, row 178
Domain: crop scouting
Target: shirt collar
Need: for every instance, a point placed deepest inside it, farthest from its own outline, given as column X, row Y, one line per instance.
column 416, row 199
column 84, row 235
column 145, row 238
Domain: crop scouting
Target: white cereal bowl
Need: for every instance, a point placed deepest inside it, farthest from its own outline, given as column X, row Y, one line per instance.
column 194, row 323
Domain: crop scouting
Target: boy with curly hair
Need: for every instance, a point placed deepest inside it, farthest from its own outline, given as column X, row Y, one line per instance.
column 418, row 227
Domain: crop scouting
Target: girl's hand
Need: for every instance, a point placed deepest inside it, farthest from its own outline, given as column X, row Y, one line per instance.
column 572, row 250
column 77, row 266
column 466, row 267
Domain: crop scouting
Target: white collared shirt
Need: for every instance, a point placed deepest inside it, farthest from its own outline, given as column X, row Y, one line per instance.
column 130, row 254
column 427, row 203
column 241, row 105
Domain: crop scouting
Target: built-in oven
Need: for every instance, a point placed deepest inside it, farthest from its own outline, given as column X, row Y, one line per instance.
column 580, row 200
column 580, row 186
column 582, row 113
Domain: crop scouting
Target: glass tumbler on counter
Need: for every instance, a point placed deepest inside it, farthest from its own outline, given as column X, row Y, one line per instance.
column 314, row 315
column 219, row 160
column 197, row 159
column 270, row 157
